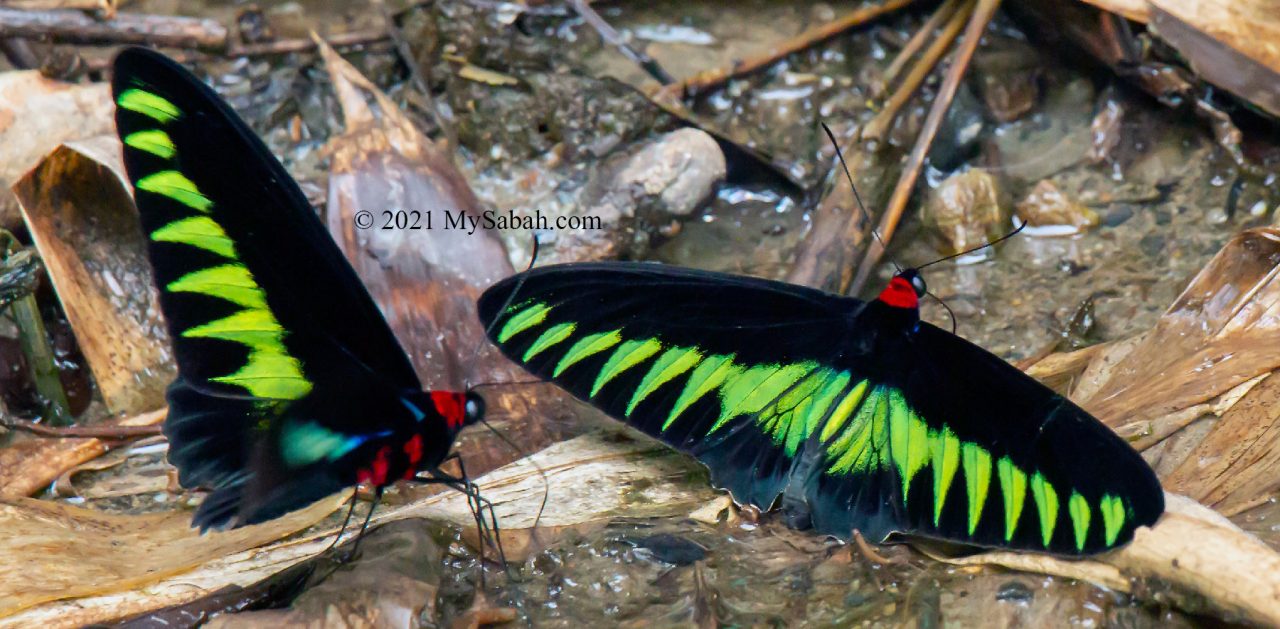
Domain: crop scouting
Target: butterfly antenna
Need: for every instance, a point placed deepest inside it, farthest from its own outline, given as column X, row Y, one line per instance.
column 488, row 331
column 857, row 197
column 546, row 485
column 993, row 243
column 950, row 313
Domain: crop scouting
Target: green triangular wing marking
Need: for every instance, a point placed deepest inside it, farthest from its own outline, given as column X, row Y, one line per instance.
column 709, row 375
column 198, row 231
column 1046, row 506
column 670, row 364
column 843, row 410
column 270, row 371
column 794, row 416
column 589, row 345
column 1112, row 509
column 1013, row 486
column 231, row 282
column 153, row 141
column 861, row 446
column 155, row 107
column 818, row 410
column 526, row 318
column 977, row 477
column 944, row 452
column 270, row 375
column 748, row 392
column 908, row 440
column 628, row 355
column 554, row 335
column 176, row 186
column 1078, row 508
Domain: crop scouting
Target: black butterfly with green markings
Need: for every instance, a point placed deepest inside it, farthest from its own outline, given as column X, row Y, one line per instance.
column 854, row 415
column 291, row 385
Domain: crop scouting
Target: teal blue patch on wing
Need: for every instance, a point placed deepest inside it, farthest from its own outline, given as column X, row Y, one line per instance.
column 305, row 442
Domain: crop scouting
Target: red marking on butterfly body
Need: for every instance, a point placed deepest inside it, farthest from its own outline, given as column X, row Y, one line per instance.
column 899, row 294
column 413, row 449
column 450, row 405
column 376, row 474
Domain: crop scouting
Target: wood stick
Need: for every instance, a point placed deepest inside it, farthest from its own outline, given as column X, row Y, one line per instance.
column 917, row 41
column 613, row 38
column 96, row 432
column 704, row 81
column 878, row 127
column 982, row 15
column 76, row 27
column 338, row 41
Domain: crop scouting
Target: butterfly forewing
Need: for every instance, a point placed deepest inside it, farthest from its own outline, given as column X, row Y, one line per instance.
column 857, row 420
column 266, row 317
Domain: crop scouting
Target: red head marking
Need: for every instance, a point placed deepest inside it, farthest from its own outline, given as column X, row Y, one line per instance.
column 451, row 406
column 900, row 294
column 413, row 449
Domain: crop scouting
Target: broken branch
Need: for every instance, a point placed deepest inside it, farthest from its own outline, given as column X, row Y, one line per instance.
column 715, row 78
column 982, row 15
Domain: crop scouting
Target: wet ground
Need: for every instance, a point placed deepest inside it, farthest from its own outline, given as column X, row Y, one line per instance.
column 1166, row 197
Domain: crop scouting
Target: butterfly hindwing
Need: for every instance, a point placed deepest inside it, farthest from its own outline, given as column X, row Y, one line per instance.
column 830, row 403
column 265, row 315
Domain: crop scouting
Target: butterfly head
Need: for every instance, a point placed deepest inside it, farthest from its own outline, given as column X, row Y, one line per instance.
column 904, row 290
column 450, row 410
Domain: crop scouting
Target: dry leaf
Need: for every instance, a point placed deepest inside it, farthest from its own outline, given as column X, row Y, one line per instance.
column 77, row 205
column 1204, row 558
column 1204, row 345
column 426, row 279
column 55, row 552
column 30, row 465
column 589, row 479
column 38, row 114
column 1234, row 44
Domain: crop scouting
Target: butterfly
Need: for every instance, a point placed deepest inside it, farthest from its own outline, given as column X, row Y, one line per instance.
column 851, row 415
column 290, row 386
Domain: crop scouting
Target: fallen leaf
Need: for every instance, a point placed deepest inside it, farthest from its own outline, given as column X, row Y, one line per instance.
column 30, row 465
column 55, row 552
column 36, row 115
column 80, row 213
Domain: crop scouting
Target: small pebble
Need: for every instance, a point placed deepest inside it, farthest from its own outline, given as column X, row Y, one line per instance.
column 1015, row 591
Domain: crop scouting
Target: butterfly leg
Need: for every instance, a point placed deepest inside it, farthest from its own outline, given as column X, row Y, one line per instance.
column 355, row 545
column 355, row 495
column 487, row 529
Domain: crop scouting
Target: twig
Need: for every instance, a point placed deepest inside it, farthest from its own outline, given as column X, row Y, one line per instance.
column 93, row 432
column 416, row 75
column 917, row 41
column 127, row 28
column 35, row 346
column 711, row 79
column 866, row 549
column 879, row 126
column 614, row 38
column 19, row 54
column 165, row 31
column 339, row 41
column 982, row 15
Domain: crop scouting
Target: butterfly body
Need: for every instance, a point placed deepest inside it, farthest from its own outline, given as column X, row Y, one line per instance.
column 291, row 385
column 850, row 415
